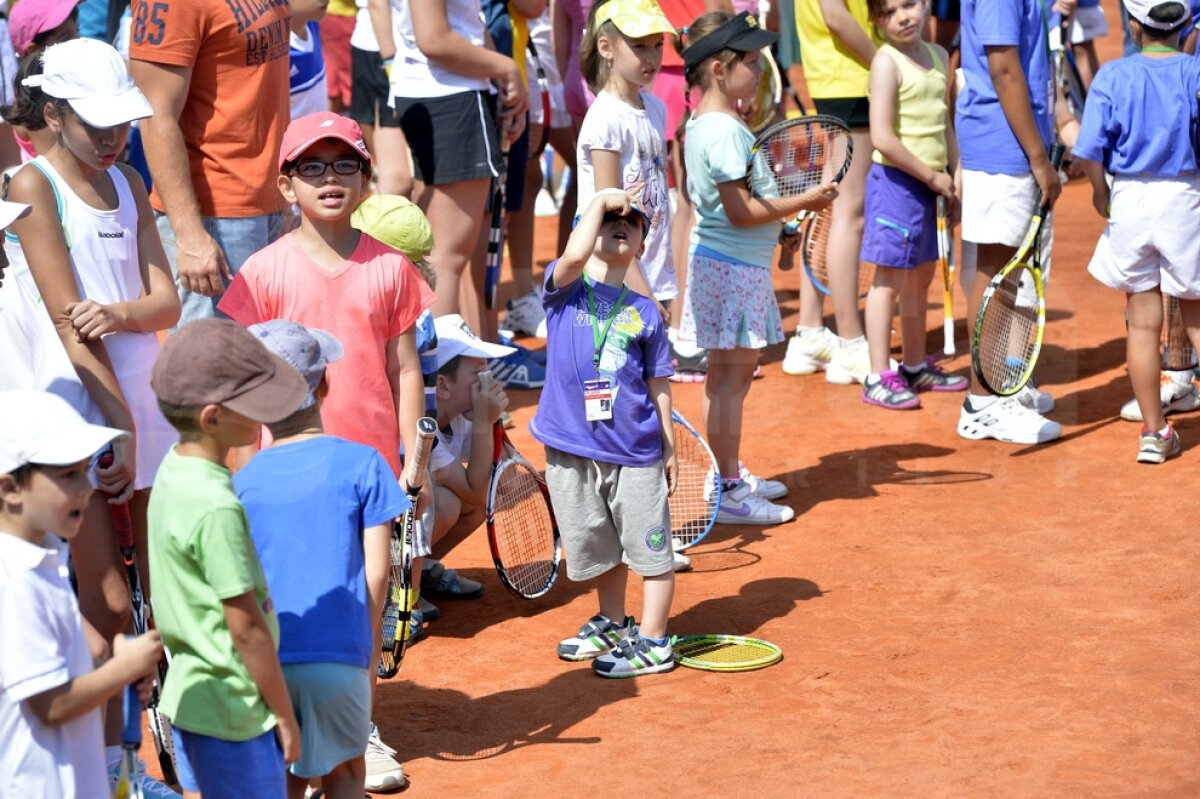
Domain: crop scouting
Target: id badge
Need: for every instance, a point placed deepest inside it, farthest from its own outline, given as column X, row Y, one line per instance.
column 598, row 398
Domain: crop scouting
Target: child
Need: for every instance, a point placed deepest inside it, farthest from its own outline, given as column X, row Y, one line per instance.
column 321, row 511
column 33, row 27
column 1139, row 111
column 50, row 692
column 1005, row 126
column 733, row 244
column 605, row 419
column 622, row 142
column 307, row 76
column 226, row 697
column 914, row 144
column 328, row 275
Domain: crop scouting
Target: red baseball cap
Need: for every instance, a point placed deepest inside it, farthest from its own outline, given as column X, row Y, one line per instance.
column 308, row 130
column 28, row 18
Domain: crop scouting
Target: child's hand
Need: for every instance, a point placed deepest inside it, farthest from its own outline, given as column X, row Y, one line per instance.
column 141, row 653
column 942, row 183
column 671, row 467
column 92, row 320
column 117, row 479
column 817, row 199
column 1101, row 201
column 614, row 200
column 1048, row 182
column 488, row 400
column 289, row 739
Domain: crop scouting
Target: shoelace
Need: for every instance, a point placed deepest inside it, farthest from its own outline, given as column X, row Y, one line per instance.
column 892, row 381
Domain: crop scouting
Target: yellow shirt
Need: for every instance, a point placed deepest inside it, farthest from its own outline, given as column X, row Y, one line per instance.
column 830, row 68
column 342, row 8
column 920, row 118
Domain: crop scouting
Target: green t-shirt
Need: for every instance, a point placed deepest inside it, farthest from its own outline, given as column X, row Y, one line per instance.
column 201, row 553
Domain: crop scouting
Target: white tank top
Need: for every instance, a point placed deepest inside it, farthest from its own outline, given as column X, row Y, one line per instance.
column 414, row 75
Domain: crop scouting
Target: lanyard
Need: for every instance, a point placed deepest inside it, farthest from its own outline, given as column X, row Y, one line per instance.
column 1158, row 48
column 600, row 335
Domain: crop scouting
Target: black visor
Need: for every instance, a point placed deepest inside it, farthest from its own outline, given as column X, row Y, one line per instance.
column 741, row 33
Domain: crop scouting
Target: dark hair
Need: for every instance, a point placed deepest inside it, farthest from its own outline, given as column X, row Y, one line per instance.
column 39, row 41
column 1166, row 13
column 876, row 8
column 28, row 108
column 450, row 368
column 184, row 418
column 694, row 76
column 592, row 65
column 23, row 474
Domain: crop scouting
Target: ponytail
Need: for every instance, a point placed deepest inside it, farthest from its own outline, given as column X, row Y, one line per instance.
column 28, row 108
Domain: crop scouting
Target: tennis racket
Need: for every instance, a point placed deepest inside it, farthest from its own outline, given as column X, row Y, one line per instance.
column 814, row 252
column 522, row 532
column 762, row 109
column 724, row 652
column 1066, row 72
column 1010, row 323
column 544, row 90
column 1178, row 352
column 697, row 486
column 401, row 597
column 945, row 249
column 160, row 726
column 128, row 786
column 495, row 247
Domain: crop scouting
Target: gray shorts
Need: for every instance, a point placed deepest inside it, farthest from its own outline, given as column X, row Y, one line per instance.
column 332, row 702
column 604, row 510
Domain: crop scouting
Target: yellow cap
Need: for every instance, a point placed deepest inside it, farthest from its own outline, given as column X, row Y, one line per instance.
column 634, row 18
column 397, row 222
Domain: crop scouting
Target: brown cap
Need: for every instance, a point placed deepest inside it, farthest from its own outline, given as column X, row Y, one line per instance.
column 219, row 362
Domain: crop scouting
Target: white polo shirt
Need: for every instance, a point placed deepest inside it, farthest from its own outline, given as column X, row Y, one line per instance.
column 42, row 647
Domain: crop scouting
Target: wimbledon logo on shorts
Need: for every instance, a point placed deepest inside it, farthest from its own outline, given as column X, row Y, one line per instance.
column 656, row 539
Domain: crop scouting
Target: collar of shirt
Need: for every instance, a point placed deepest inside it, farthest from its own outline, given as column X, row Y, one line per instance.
column 25, row 556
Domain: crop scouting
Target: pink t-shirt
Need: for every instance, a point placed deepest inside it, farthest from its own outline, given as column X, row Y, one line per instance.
column 376, row 296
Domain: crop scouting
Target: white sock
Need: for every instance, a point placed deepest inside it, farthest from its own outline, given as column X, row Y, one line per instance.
column 809, row 331
column 851, row 342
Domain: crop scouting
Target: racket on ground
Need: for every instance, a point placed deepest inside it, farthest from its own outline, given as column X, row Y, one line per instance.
column 401, row 597
column 495, row 247
column 697, row 486
column 945, row 248
column 128, row 786
column 522, row 532
column 724, row 652
column 544, row 91
column 160, row 726
column 1178, row 352
column 1011, row 320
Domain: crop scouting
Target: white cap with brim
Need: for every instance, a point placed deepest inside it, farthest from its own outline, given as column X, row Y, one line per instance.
column 93, row 78
column 1140, row 10
column 11, row 212
column 41, row 428
column 456, row 338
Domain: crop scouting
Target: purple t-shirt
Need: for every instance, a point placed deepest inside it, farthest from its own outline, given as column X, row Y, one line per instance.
column 985, row 140
column 635, row 350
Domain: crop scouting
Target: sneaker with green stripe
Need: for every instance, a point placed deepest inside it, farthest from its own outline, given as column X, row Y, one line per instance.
column 636, row 656
column 599, row 635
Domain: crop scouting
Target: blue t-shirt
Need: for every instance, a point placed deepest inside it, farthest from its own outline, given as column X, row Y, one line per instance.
column 1140, row 116
column 635, row 350
column 308, row 503
column 718, row 147
column 985, row 140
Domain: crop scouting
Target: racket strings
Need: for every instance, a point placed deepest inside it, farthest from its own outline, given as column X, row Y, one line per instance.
column 725, row 652
column 694, row 501
column 1178, row 352
column 815, row 248
column 799, row 157
column 1008, row 332
column 522, row 523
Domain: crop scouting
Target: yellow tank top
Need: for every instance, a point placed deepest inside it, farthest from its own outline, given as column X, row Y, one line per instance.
column 830, row 69
column 342, row 8
column 920, row 109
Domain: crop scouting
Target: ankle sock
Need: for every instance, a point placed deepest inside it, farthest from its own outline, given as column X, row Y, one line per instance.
column 846, row 343
column 656, row 641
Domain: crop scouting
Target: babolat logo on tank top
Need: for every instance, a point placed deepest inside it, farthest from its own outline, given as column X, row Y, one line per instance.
column 120, row 234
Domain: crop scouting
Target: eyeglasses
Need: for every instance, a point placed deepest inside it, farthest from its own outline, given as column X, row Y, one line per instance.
column 314, row 169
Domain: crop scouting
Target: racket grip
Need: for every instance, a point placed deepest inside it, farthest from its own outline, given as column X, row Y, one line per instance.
column 414, row 473
column 131, row 733
column 948, row 336
column 1057, row 151
column 119, row 514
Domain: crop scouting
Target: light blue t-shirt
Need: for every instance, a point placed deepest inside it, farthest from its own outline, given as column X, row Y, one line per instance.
column 1140, row 116
column 985, row 140
column 308, row 503
column 718, row 147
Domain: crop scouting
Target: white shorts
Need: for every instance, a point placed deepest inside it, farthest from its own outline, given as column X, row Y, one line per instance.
column 1140, row 249
column 1086, row 24
column 996, row 209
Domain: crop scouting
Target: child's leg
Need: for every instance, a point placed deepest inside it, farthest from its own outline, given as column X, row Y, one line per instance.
column 730, row 374
column 881, row 308
column 989, row 259
column 297, row 787
column 610, row 590
column 389, row 149
column 1189, row 310
column 845, row 238
column 1141, row 354
column 344, row 782
column 455, row 212
column 914, row 306
column 657, row 593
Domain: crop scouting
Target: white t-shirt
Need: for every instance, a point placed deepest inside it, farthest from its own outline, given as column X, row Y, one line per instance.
column 363, row 35
column 414, row 75
column 638, row 135
column 453, row 446
column 42, row 647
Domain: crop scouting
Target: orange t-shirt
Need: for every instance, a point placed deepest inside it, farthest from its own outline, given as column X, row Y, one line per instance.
column 238, row 101
column 376, row 296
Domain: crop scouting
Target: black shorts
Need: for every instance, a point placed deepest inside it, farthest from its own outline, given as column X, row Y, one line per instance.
column 947, row 9
column 854, row 111
column 452, row 138
column 369, row 90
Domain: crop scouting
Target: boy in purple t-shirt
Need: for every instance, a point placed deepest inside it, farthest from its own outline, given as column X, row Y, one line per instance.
column 605, row 418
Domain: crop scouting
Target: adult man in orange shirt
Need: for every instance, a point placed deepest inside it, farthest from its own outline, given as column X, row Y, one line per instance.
column 216, row 74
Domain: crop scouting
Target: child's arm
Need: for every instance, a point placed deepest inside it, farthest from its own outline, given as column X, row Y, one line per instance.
column 377, row 559
column 470, row 483
column 252, row 640
column 746, row 211
column 132, row 659
column 951, row 136
column 582, row 242
column 1004, row 67
column 845, row 28
column 1101, row 194
column 408, row 385
column 606, row 169
column 660, row 394
column 158, row 308
column 885, row 92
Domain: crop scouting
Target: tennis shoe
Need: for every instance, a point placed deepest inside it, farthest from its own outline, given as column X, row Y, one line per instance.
column 931, row 377
column 1154, row 447
column 851, row 362
column 441, row 583
column 429, row 611
column 384, row 772
column 809, row 351
column 526, row 315
column 761, row 486
column 599, row 635
column 155, row 789
column 417, row 631
column 519, row 370
column 891, row 391
column 1178, row 396
column 1006, row 419
column 739, row 505
column 689, row 368
column 634, row 657
column 507, row 340
column 1035, row 400
column 682, row 562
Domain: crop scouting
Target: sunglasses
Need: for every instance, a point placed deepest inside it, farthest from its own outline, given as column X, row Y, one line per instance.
column 311, row 168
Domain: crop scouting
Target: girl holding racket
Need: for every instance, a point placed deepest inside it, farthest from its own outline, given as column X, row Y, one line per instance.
column 914, row 145
column 729, row 307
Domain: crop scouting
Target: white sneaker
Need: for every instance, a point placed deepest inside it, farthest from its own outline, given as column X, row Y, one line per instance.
column 809, row 352
column 1035, row 400
column 682, row 562
column 1006, row 419
column 384, row 772
column 851, row 363
column 525, row 315
column 741, row 506
column 1177, row 395
column 762, row 487
column 151, row 788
